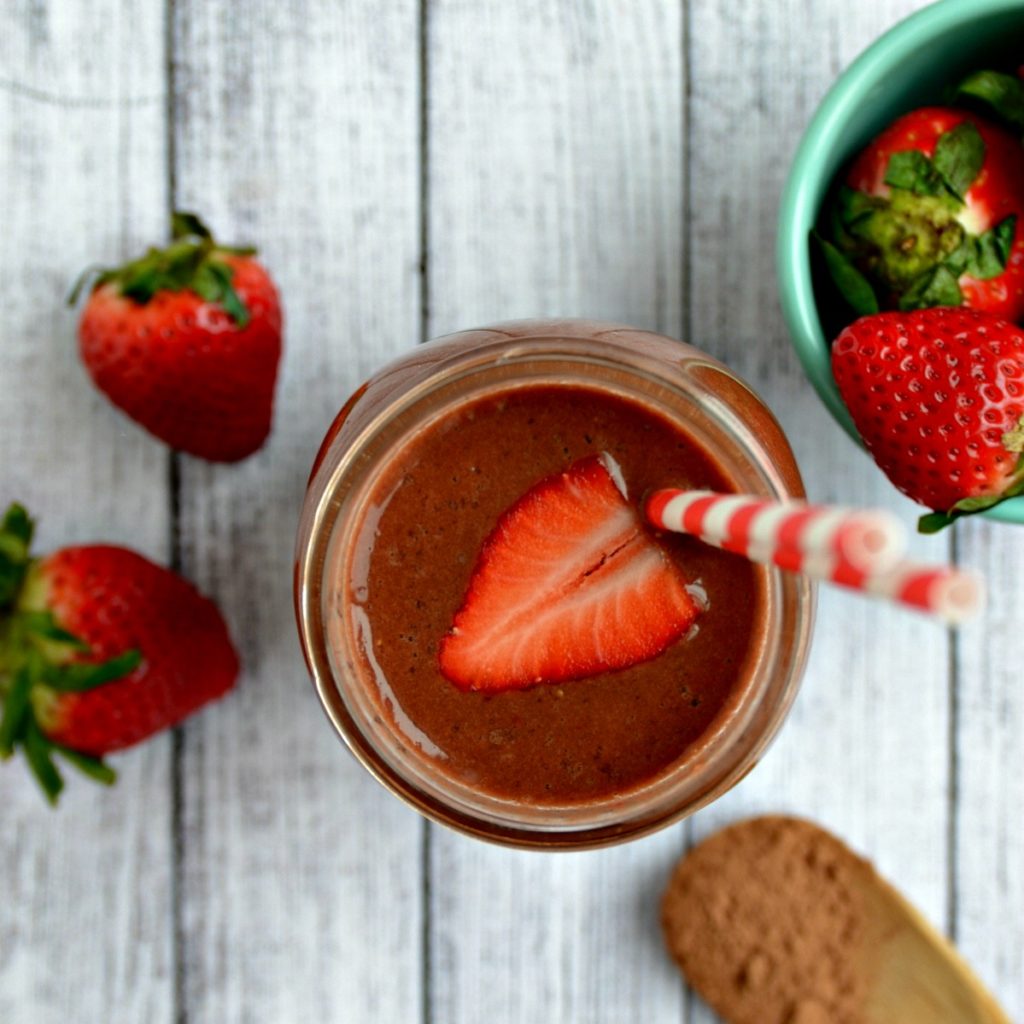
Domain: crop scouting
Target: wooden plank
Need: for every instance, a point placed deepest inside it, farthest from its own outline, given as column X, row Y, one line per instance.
column 556, row 188
column 866, row 749
column 85, row 915
column 557, row 176
column 555, row 162
column 989, row 851
column 297, row 128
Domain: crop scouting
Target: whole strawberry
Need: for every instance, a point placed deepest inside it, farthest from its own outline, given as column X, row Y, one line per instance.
column 932, row 214
column 938, row 398
column 187, row 340
column 99, row 649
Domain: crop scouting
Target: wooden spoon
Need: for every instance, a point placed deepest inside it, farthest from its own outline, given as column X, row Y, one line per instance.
column 916, row 974
column 775, row 921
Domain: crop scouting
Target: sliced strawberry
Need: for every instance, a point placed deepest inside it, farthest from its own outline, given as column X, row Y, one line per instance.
column 567, row 585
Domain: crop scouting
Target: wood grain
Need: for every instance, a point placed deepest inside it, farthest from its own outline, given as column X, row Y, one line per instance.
column 555, row 188
column 865, row 751
column 297, row 126
column 85, row 913
column 989, row 823
column 614, row 159
column 555, row 173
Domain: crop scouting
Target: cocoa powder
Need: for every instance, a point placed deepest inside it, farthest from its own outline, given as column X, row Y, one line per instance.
column 765, row 926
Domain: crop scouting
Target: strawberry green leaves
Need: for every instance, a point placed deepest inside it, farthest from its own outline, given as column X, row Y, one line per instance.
column 850, row 282
column 37, row 752
column 984, row 256
column 981, row 257
column 16, row 526
column 956, row 163
column 35, row 674
column 192, row 261
column 993, row 250
column 94, row 768
column 932, row 522
column 896, row 232
column 18, row 728
column 935, row 287
column 44, row 625
column 39, row 658
column 15, row 538
column 15, row 710
column 913, row 171
column 959, row 156
column 212, row 281
column 79, row 677
column 188, row 225
column 1002, row 94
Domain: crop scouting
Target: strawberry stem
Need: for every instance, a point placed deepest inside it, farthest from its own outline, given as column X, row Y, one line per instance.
column 908, row 248
column 185, row 224
column 15, row 537
column 933, row 522
column 43, row 624
column 37, row 751
column 193, row 261
column 38, row 654
column 94, row 768
column 1002, row 94
column 16, row 711
column 79, row 677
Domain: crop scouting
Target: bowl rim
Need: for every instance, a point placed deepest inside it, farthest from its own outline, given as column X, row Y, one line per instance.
column 799, row 205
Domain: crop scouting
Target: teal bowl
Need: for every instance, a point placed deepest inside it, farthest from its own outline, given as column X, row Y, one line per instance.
column 910, row 66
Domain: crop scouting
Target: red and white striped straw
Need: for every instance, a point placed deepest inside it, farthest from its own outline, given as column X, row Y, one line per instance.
column 860, row 549
column 790, row 534
column 949, row 593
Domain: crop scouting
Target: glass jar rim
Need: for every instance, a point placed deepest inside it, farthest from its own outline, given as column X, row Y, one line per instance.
column 739, row 733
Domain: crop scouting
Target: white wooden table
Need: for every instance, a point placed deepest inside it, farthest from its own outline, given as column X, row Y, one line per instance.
column 410, row 167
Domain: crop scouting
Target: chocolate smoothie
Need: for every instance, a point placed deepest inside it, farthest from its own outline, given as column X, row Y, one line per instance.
column 428, row 637
column 402, row 581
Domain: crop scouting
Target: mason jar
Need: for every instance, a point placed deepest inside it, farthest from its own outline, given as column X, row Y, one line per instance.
column 419, row 748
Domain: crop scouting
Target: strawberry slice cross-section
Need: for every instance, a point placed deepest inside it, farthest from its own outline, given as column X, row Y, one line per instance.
column 568, row 585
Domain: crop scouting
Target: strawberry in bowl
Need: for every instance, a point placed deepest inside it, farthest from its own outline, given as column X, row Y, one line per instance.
column 186, row 340
column 937, row 396
column 931, row 213
column 99, row 649
column 944, row 234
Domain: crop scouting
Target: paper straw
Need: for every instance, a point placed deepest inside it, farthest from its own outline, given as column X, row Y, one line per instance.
column 853, row 549
column 792, row 534
column 949, row 593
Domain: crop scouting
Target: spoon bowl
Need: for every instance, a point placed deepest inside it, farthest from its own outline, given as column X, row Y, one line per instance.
column 775, row 919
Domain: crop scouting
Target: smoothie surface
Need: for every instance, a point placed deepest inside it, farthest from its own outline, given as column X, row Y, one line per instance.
column 432, row 509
